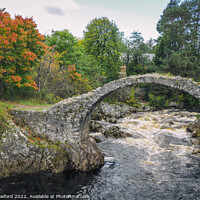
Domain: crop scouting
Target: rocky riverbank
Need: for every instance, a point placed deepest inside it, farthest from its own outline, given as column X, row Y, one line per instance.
column 194, row 129
column 24, row 151
column 111, row 113
column 156, row 160
column 105, row 118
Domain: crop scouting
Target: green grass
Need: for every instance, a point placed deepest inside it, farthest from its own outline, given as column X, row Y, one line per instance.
column 32, row 102
column 9, row 105
column 4, row 116
column 27, row 105
column 33, row 108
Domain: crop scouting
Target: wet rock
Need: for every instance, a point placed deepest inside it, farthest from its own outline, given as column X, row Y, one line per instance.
column 168, row 119
column 112, row 120
column 195, row 141
column 145, row 108
column 178, row 126
column 194, row 129
column 95, row 126
column 96, row 139
column 85, row 156
column 196, row 151
column 136, row 116
column 194, row 134
column 175, row 105
column 112, row 112
column 137, row 135
column 116, row 132
column 194, row 126
column 164, row 126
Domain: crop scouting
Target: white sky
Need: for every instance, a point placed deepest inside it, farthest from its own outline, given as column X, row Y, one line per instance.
column 74, row 15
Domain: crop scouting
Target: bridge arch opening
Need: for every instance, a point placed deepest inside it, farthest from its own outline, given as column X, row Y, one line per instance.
column 175, row 82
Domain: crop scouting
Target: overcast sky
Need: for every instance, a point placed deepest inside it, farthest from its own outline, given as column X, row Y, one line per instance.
column 74, row 15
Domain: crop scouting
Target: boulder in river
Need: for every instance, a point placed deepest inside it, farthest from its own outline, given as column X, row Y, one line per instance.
column 95, row 126
column 116, row 132
column 112, row 112
column 194, row 128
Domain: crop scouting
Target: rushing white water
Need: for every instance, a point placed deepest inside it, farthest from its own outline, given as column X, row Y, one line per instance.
column 157, row 162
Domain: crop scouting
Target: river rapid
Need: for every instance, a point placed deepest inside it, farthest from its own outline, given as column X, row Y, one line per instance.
column 158, row 161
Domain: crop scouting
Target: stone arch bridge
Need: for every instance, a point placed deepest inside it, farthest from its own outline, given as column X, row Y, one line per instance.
column 67, row 122
column 69, row 119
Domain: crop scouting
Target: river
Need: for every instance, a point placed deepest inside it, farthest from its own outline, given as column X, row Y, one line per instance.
column 157, row 162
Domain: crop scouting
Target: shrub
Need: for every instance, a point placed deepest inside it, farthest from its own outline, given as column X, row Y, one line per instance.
column 190, row 101
column 133, row 101
column 158, row 102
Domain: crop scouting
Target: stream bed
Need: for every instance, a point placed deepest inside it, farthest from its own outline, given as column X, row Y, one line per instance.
column 156, row 162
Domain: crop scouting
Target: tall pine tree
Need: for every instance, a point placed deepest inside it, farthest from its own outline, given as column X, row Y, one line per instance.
column 178, row 49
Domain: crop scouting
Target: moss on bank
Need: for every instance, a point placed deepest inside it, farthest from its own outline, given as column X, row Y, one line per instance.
column 4, row 117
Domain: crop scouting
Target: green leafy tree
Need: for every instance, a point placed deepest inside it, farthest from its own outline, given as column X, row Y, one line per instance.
column 102, row 40
column 158, row 102
column 89, row 67
column 65, row 44
column 134, row 48
column 151, row 45
column 133, row 101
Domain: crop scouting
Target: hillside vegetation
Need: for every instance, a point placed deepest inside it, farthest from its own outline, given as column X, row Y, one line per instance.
column 48, row 68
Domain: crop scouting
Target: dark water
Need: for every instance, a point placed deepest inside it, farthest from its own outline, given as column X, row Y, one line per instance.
column 156, row 163
column 46, row 185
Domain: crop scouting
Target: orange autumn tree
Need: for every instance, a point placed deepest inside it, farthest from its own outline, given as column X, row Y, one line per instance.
column 21, row 46
column 55, row 78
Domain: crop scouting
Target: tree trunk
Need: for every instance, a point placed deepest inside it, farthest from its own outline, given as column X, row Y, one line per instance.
column 1, row 89
column 39, row 76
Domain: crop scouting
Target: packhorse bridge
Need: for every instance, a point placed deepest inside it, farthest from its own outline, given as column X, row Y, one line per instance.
column 68, row 120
